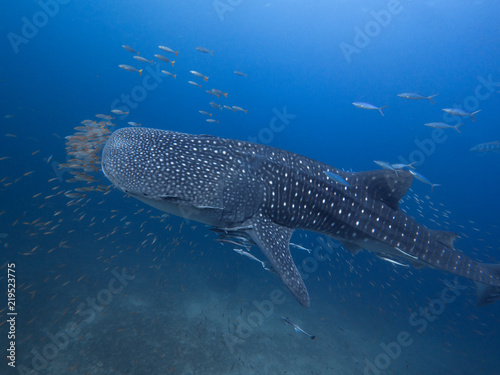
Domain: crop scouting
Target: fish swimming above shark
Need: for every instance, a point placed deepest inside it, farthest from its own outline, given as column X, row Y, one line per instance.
column 263, row 194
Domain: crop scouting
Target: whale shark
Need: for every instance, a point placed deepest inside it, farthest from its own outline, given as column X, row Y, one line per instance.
column 261, row 194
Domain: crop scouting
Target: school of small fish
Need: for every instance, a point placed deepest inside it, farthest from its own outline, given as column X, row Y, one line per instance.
column 484, row 147
column 204, row 78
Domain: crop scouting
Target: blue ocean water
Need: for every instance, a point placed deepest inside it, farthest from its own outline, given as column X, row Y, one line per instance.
column 107, row 285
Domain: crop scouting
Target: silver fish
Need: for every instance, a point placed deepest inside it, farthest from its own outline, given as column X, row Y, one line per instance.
column 296, row 327
column 461, row 112
column 385, row 165
column 369, row 106
column 300, row 247
column 236, row 108
column 219, row 92
column 248, row 255
column 168, row 50
column 416, row 96
column 204, row 50
column 211, row 92
column 198, row 74
column 194, row 83
column 403, row 166
column 119, row 112
column 215, row 105
column 140, row 58
column 423, row 179
column 164, row 59
column 130, row 68
column 389, row 259
column 443, row 125
column 130, row 49
column 166, row 72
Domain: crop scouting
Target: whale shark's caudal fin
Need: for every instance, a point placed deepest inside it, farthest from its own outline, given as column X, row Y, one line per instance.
column 487, row 294
column 273, row 240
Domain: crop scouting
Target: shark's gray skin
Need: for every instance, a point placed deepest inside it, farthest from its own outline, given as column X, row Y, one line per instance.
column 267, row 193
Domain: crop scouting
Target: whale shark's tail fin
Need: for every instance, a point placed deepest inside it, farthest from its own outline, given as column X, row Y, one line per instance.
column 487, row 294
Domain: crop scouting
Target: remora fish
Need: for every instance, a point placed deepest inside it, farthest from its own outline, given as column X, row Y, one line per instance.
column 266, row 193
column 296, row 327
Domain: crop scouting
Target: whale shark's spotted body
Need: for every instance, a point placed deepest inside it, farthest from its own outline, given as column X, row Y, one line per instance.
column 267, row 193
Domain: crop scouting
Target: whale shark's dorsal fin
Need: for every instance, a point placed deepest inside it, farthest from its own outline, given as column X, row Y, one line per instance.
column 444, row 237
column 384, row 185
column 273, row 240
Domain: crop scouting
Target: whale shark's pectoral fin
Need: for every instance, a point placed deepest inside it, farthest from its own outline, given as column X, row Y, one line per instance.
column 273, row 240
